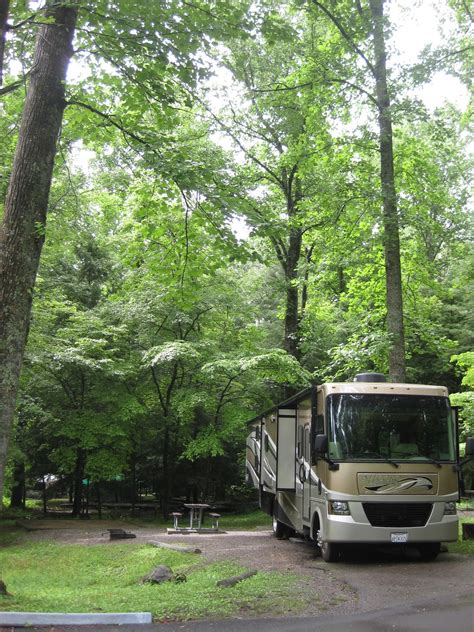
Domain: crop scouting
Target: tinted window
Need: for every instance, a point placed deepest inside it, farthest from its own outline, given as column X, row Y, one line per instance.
column 399, row 427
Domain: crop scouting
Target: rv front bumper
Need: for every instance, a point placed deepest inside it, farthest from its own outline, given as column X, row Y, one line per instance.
column 357, row 528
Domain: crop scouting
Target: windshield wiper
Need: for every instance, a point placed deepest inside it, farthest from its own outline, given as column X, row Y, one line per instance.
column 372, row 454
column 414, row 455
column 381, row 456
column 428, row 458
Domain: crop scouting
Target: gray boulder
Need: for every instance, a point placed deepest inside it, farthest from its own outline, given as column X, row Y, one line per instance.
column 159, row 575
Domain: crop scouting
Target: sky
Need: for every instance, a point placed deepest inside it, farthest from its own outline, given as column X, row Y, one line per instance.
column 415, row 28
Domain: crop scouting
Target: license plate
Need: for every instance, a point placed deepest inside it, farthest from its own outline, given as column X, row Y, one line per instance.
column 399, row 537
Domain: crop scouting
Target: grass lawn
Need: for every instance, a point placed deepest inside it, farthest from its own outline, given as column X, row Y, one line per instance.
column 48, row 577
column 462, row 546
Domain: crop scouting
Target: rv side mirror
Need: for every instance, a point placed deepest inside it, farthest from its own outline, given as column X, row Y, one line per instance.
column 321, row 444
column 470, row 446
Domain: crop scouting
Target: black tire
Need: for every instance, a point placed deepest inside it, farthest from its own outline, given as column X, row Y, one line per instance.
column 429, row 550
column 330, row 552
column 280, row 530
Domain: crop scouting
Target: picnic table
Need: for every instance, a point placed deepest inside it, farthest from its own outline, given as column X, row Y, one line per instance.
column 196, row 511
column 195, row 514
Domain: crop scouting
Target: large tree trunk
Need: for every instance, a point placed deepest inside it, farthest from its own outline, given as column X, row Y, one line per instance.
column 292, row 191
column 17, row 497
column 394, row 302
column 292, row 336
column 4, row 8
column 79, row 469
column 165, row 491
column 23, row 226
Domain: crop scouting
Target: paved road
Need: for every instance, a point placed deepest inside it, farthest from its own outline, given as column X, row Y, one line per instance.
column 454, row 613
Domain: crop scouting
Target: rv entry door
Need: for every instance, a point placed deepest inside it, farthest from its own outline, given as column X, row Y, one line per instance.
column 307, row 472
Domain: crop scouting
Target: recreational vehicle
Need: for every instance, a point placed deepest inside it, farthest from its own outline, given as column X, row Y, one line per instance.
column 362, row 462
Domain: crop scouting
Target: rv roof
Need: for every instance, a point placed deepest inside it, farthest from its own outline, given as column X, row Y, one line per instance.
column 382, row 388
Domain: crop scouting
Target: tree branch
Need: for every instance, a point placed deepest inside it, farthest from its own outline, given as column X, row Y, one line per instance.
column 110, row 119
column 345, row 34
column 13, row 86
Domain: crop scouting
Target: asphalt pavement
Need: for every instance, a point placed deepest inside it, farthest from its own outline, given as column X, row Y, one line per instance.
column 453, row 613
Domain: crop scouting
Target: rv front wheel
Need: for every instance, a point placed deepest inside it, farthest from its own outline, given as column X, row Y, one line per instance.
column 429, row 550
column 280, row 530
column 330, row 552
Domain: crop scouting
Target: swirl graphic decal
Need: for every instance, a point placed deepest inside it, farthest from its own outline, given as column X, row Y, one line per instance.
column 401, row 485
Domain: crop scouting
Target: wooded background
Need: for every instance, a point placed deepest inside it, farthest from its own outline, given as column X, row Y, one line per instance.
column 242, row 198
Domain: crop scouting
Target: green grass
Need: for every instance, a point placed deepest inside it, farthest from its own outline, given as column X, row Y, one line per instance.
column 465, row 547
column 45, row 577
column 252, row 520
column 246, row 521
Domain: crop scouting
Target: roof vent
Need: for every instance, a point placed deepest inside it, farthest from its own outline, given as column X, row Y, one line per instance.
column 370, row 377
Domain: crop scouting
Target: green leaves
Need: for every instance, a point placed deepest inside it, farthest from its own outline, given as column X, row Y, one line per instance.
column 170, row 353
column 275, row 365
column 466, row 362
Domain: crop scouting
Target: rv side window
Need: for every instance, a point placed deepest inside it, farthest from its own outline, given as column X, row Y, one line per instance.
column 300, row 441
column 317, row 428
column 319, row 425
column 307, row 443
column 257, row 433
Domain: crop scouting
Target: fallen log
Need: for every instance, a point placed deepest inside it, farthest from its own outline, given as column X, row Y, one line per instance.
column 120, row 534
column 231, row 581
column 175, row 547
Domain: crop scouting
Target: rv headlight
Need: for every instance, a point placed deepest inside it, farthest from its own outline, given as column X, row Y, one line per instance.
column 450, row 508
column 339, row 508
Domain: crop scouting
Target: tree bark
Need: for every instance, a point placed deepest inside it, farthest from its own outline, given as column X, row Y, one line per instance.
column 394, row 300
column 17, row 497
column 23, row 225
column 165, row 491
column 78, row 485
column 4, row 9
column 292, row 336
column 99, row 500
column 44, row 497
column 293, row 195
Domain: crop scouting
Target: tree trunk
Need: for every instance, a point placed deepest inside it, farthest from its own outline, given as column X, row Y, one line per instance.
column 78, row 478
column 17, row 497
column 134, row 482
column 4, row 9
column 394, row 301
column 291, row 309
column 293, row 254
column 99, row 500
column 23, row 225
column 166, row 483
column 44, row 497
column 85, row 504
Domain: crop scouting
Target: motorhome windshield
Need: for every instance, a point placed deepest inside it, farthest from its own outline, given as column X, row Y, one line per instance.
column 365, row 427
